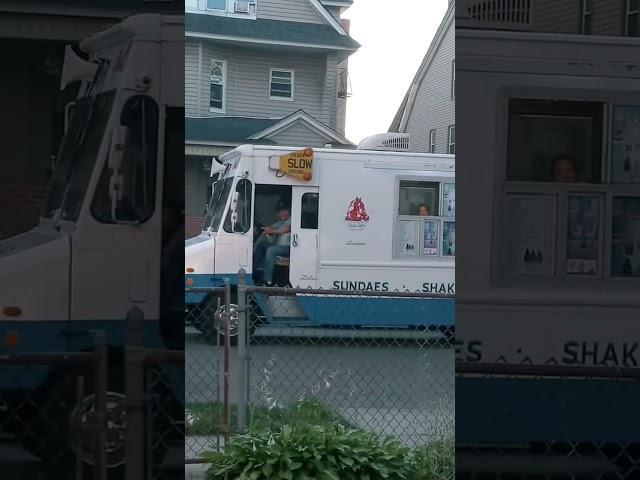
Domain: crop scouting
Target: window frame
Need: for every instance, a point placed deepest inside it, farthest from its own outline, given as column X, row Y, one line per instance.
column 229, row 9
column 277, row 98
column 586, row 13
column 451, row 128
column 453, row 79
column 432, row 140
column 606, row 190
column 223, row 109
column 627, row 14
column 440, row 218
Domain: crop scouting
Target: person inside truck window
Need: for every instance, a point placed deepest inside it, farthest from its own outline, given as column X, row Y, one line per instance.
column 564, row 170
column 275, row 242
column 423, row 210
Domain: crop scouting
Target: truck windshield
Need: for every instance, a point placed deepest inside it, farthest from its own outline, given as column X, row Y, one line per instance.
column 218, row 203
column 78, row 156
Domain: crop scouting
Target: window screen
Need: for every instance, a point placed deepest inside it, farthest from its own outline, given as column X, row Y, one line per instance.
column 413, row 194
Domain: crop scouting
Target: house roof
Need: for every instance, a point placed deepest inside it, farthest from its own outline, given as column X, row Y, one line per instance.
column 238, row 130
column 225, row 129
column 402, row 115
column 276, row 31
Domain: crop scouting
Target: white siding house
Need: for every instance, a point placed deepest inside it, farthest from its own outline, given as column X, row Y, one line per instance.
column 260, row 71
column 427, row 112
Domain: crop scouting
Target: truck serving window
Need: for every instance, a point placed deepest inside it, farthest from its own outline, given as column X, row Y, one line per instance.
column 425, row 221
column 570, row 208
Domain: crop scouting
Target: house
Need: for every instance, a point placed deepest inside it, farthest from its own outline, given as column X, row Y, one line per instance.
column 427, row 112
column 261, row 71
column 588, row 17
column 33, row 36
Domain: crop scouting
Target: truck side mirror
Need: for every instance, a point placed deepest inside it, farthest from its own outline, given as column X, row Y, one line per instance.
column 234, row 210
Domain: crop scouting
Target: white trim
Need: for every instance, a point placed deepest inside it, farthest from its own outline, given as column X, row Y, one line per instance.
column 449, row 144
column 210, row 36
column 336, row 3
column 328, row 17
column 432, row 141
column 224, row 86
column 200, row 66
column 304, row 117
column 293, row 75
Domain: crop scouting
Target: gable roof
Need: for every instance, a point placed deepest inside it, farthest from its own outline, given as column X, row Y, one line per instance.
column 402, row 115
column 268, row 31
column 238, row 130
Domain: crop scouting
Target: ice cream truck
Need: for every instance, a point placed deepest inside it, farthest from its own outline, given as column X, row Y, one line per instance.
column 355, row 225
column 550, row 234
column 106, row 240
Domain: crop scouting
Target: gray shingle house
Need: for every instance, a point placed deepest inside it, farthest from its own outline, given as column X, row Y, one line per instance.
column 261, row 71
column 427, row 112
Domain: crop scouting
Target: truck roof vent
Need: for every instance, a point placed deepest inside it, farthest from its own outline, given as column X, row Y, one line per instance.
column 396, row 142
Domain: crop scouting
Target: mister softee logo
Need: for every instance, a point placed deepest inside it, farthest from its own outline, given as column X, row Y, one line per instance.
column 357, row 216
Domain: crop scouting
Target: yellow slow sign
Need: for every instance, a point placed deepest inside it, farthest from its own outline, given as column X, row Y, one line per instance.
column 298, row 164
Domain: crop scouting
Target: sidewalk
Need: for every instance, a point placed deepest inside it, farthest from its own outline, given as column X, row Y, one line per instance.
column 195, row 471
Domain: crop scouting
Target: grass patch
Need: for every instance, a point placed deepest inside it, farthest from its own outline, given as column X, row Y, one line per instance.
column 436, row 461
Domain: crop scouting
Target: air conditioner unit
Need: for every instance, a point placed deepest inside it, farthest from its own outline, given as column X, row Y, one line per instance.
column 394, row 142
column 244, row 6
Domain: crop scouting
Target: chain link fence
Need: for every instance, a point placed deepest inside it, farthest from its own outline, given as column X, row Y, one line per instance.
column 61, row 429
column 547, row 458
column 358, row 362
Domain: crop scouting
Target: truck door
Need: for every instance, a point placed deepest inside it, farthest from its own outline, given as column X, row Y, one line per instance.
column 304, row 237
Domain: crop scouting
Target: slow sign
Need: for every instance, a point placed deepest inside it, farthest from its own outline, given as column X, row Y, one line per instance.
column 298, row 164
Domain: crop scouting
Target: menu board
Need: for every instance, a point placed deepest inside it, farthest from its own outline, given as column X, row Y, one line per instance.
column 448, row 239
column 449, row 200
column 583, row 228
column 626, row 144
column 431, row 237
column 409, row 237
column 625, row 255
column 528, row 234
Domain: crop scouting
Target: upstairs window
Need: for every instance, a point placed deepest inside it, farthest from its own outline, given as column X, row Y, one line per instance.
column 281, row 84
column 632, row 18
column 216, row 4
column 217, row 86
column 432, row 141
column 453, row 79
column 585, row 17
column 451, row 148
column 241, row 7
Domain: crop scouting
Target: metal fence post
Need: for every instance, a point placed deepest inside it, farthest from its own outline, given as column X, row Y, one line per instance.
column 100, row 471
column 227, row 347
column 243, row 323
column 134, row 386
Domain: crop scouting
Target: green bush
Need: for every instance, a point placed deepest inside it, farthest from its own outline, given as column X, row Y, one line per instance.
column 436, row 461
column 306, row 451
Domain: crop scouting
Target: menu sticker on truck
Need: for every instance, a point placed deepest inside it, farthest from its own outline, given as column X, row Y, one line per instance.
column 298, row 164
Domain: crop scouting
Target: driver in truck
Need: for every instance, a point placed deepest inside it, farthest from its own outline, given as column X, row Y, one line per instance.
column 275, row 241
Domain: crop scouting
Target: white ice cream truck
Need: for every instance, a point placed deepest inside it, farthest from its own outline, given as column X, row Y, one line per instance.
column 113, row 213
column 551, row 267
column 354, row 226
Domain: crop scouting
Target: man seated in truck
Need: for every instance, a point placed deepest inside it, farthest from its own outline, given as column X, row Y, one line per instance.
column 274, row 242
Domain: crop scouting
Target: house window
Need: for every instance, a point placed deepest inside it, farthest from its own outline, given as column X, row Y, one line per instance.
column 632, row 18
column 216, row 4
column 425, row 222
column 432, row 141
column 281, row 84
column 453, row 79
column 570, row 207
column 217, row 84
column 451, row 148
column 586, row 16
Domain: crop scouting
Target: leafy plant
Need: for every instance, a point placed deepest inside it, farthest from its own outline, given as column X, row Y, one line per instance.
column 436, row 461
column 305, row 451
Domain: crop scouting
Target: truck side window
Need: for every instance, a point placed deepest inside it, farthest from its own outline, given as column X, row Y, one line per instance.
column 309, row 211
column 136, row 173
column 413, row 194
column 554, row 141
column 243, row 209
